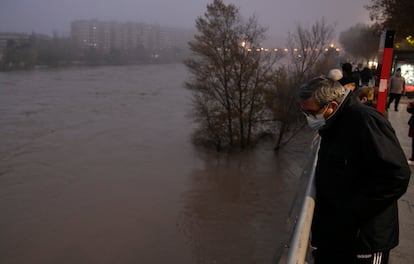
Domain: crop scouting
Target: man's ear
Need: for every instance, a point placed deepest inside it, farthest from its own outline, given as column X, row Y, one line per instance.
column 333, row 105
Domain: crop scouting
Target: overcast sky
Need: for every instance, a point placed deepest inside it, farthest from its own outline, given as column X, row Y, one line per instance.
column 46, row 16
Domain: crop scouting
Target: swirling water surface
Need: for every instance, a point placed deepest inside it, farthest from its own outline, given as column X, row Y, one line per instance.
column 97, row 166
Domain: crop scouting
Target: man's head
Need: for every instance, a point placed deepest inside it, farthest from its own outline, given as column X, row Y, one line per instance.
column 347, row 68
column 348, row 81
column 320, row 98
column 365, row 94
column 398, row 72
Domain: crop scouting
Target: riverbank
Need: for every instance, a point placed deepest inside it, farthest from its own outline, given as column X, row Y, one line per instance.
column 74, row 64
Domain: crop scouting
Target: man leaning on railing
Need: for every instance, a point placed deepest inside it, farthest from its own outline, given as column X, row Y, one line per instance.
column 360, row 174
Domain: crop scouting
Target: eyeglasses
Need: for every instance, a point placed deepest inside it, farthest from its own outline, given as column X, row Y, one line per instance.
column 313, row 113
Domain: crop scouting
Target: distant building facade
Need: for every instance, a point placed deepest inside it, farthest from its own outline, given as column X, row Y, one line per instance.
column 126, row 37
column 11, row 36
column 16, row 39
column 7, row 37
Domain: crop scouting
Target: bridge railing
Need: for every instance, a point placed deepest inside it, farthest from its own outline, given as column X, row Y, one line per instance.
column 299, row 244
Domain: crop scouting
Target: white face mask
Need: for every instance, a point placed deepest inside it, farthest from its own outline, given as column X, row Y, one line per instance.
column 318, row 121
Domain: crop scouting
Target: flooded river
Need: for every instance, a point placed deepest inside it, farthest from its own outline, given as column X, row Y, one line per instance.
column 97, row 166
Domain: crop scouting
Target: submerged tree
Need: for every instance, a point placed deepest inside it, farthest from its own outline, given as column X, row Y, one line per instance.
column 307, row 48
column 307, row 58
column 230, row 73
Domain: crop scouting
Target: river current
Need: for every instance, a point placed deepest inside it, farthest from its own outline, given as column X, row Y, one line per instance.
column 97, row 166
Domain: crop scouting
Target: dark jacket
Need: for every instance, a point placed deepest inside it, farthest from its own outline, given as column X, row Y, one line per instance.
column 350, row 78
column 410, row 109
column 361, row 172
column 366, row 75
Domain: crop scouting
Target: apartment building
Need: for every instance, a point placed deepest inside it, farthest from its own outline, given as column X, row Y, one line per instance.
column 5, row 37
column 11, row 36
column 104, row 36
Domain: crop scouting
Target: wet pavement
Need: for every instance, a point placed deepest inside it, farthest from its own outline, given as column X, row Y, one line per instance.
column 404, row 252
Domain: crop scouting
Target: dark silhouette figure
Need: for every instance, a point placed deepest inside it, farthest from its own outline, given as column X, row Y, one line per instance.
column 349, row 79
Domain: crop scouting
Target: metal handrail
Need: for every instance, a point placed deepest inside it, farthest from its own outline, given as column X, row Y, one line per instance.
column 300, row 241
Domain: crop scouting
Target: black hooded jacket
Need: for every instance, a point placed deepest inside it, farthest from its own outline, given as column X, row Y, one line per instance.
column 361, row 173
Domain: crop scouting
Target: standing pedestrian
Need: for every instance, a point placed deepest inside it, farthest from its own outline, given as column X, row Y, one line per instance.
column 410, row 109
column 360, row 174
column 396, row 88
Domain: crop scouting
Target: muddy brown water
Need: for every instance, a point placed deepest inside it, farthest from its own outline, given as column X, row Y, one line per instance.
column 97, row 166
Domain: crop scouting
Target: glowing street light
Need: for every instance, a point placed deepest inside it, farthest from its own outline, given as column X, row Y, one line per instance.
column 410, row 40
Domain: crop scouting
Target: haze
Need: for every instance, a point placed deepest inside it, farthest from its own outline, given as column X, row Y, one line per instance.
column 47, row 16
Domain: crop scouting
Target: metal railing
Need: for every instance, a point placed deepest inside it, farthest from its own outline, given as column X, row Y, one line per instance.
column 300, row 240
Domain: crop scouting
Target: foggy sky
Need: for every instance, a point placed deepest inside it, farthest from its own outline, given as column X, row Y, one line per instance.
column 47, row 16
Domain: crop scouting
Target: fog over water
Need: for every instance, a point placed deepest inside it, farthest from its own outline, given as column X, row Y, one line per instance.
column 46, row 16
column 97, row 166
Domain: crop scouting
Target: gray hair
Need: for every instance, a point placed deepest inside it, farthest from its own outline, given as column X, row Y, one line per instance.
column 324, row 90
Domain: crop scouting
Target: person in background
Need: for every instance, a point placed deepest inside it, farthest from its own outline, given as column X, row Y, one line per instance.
column 366, row 76
column 410, row 109
column 335, row 74
column 349, row 80
column 360, row 174
column 396, row 89
column 366, row 95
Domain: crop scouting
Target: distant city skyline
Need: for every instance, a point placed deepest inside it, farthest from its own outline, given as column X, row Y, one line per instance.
column 48, row 16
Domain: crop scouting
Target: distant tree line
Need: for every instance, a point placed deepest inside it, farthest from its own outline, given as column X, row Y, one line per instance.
column 57, row 51
column 361, row 42
column 395, row 15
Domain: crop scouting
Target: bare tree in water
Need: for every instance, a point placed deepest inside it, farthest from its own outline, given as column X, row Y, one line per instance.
column 306, row 49
column 230, row 74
